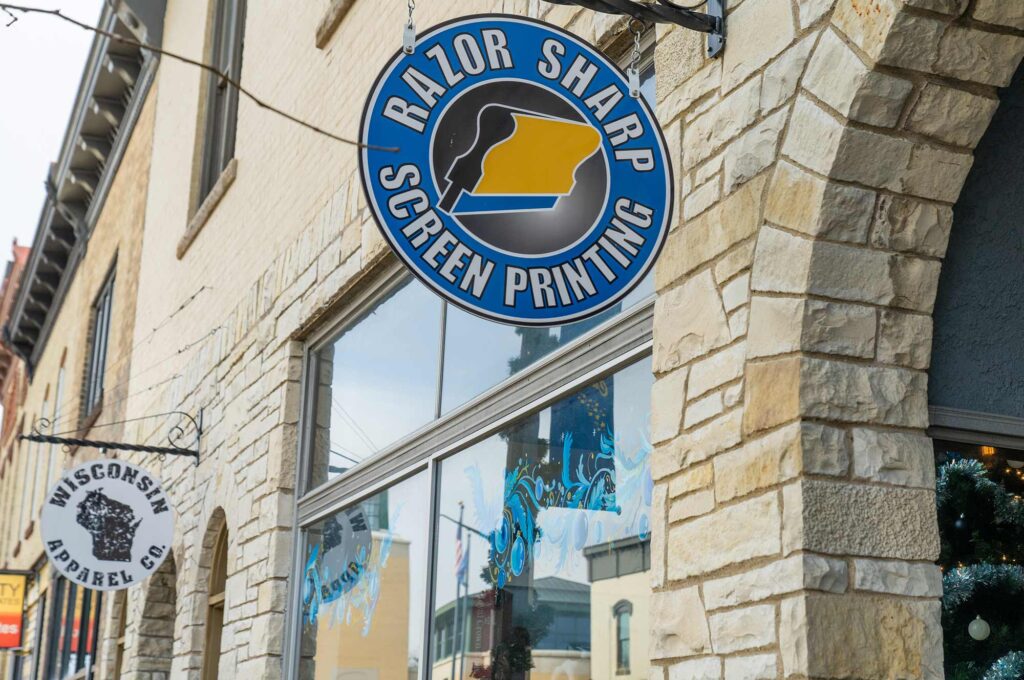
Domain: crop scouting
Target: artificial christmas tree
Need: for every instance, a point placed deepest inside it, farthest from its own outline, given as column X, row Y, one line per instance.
column 981, row 519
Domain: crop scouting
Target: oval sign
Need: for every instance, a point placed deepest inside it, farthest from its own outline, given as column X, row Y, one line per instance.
column 107, row 525
column 528, row 186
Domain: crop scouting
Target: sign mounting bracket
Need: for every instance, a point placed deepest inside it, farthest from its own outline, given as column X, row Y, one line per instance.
column 183, row 437
column 711, row 22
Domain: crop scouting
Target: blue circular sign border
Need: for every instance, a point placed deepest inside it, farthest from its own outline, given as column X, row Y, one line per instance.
column 666, row 161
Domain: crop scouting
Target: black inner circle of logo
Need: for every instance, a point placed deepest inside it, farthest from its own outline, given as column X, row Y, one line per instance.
column 538, row 219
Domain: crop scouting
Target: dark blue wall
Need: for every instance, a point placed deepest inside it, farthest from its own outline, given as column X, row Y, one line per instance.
column 978, row 350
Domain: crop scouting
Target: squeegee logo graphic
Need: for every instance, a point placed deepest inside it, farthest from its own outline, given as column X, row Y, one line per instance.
column 529, row 187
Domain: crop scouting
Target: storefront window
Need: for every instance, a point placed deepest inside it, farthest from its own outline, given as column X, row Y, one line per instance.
column 981, row 521
column 479, row 354
column 364, row 587
column 522, row 514
column 73, row 630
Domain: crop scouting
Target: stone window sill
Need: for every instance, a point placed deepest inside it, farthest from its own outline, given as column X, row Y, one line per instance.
column 336, row 11
column 206, row 208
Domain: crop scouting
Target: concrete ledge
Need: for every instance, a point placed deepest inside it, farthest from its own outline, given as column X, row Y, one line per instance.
column 206, row 208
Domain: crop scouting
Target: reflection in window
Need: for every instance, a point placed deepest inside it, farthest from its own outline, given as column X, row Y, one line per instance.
column 378, row 380
column 479, row 354
column 363, row 587
column 523, row 516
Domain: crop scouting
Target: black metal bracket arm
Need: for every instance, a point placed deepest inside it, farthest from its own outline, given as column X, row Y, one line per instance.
column 175, row 437
column 666, row 11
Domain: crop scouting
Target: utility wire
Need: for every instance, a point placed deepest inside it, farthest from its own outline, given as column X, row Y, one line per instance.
column 9, row 8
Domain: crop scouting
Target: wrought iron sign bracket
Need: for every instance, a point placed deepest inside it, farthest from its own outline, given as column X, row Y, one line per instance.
column 183, row 437
column 711, row 22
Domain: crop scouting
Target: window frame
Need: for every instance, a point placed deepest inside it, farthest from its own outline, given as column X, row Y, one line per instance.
column 220, row 109
column 614, row 344
column 623, row 608
column 215, row 605
column 95, row 373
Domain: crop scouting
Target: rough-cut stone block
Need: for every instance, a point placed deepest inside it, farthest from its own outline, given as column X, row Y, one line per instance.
column 757, row 667
column 838, row 328
column 813, row 137
column 849, row 273
column 905, row 339
column 938, row 174
column 871, row 637
column 667, row 398
column 979, row 56
column 708, row 668
column 825, row 449
column 679, row 625
column 951, row 115
column 889, row 34
column 720, row 123
column 873, row 159
column 782, row 262
column 700, row 199
column 835, row 390
column 736, row 293
column 772, row 395
column 690, row 91
column 775, row 325
column 727, row 536
column 679, row 56
column 763, row 462
column 741, row 629
column 860, row 93
column 717, row 370
column 720, row 434
column 871, row 521
column 695, row 478
column 703, row 409
column 799, row 572
column 753, row 151
column 782, row 76
column 803, row 202
column 1000, row 12
column 699, row 241
column 758, row 31
column 689, row 322
column 896, row 577
column 908, row 224
column 693, row 505
column 899, row 458
column 915, row 282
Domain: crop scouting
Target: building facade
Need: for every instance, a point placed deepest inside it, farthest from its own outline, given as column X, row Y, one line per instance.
column 383, row 482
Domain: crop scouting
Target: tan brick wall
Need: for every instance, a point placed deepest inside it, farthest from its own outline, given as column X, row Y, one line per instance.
column 795, row 513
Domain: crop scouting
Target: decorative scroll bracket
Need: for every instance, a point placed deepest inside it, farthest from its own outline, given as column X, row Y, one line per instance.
column 176, row 435
column 666, row 11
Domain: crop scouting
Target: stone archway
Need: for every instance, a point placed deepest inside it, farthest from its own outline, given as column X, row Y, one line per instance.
column 819, row 160
column 153, row 648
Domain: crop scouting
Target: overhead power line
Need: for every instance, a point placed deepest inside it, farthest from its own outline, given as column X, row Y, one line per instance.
column 125, row 40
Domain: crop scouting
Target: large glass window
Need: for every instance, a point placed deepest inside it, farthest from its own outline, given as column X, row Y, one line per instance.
column 364, row 587
column 522, row 514
column 386, row 375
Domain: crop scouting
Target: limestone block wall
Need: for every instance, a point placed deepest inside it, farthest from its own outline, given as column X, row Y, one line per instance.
column 820, row 159
column 816, row 164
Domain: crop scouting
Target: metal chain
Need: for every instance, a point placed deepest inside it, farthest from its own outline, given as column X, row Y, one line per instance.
column 636, row 27
column 409, row 35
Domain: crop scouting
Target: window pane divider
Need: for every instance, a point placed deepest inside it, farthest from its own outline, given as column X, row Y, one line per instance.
column 617, row 343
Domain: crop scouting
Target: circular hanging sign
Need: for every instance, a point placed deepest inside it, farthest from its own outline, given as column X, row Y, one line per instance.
column 107, row 525
column 528, row 186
